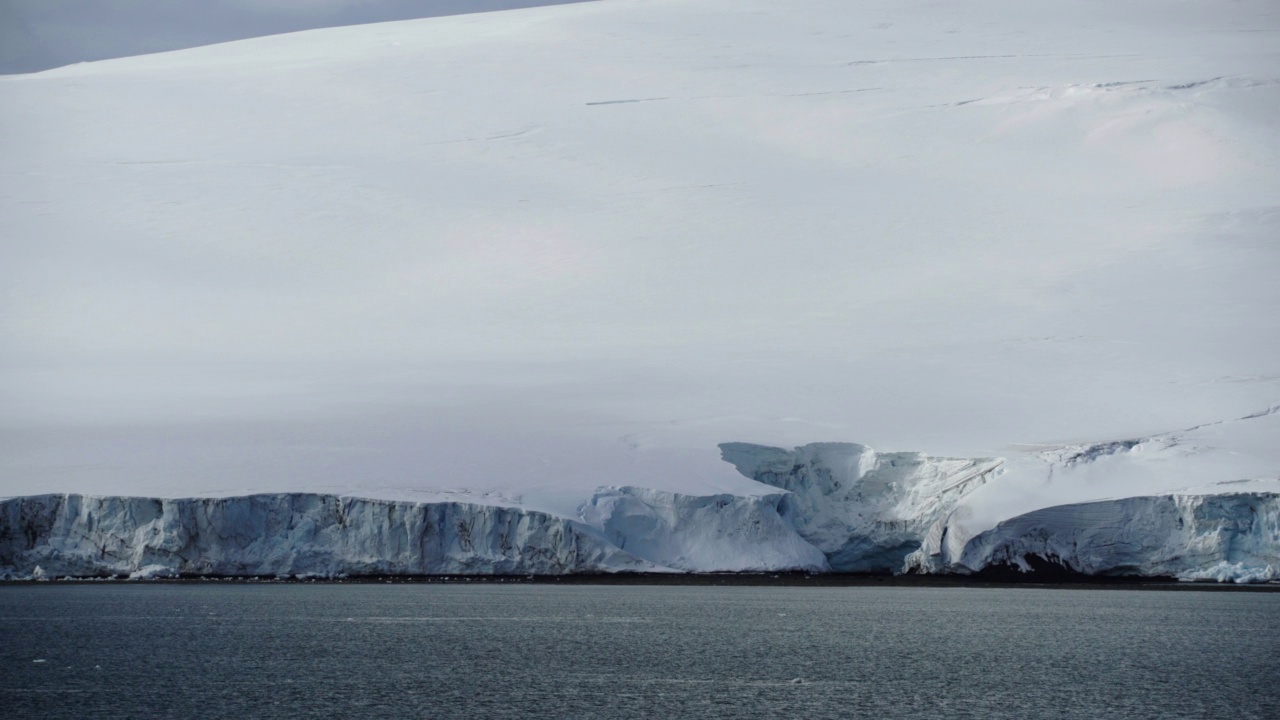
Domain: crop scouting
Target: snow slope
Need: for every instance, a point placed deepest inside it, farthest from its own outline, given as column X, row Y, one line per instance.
column 522, row 256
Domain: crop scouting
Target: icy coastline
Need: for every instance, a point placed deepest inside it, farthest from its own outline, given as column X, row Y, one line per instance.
column 840, row 508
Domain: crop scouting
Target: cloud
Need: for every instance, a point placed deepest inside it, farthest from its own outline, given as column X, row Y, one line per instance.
column 41, row 34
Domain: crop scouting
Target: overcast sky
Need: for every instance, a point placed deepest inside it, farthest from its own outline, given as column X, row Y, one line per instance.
column 41, row 34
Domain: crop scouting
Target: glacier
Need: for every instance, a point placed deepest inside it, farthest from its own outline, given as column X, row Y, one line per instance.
column 838, row 507
column 866, row 511
column 291, row 535
column 609, row 286
column 311, row 535
column 843, row 507
column 711, row 533
column 1233, row 536
column 1194, row 504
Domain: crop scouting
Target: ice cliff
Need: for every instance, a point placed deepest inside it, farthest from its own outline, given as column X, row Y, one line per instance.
column 301, row 534
column 821, row 507
column 1196, row 504
column 701, row 533
column 1233, row 536
column 866, row 511
column 291, row 534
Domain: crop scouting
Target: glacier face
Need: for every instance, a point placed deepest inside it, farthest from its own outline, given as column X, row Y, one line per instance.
column 1229, row 536
column 1197, row 504
column 866, row 511
column 821, row 507
column 702, row 533
column 300, row 534
column 840, row 507
column 291, row 534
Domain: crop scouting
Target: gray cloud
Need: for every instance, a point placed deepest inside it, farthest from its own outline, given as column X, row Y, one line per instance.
column 41, row 34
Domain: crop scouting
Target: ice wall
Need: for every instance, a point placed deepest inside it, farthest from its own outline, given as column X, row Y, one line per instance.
column 702, row 532
column 1230, row 536
column 866, row 511
column 621, row 529
column 292, row 534
column 837, row 506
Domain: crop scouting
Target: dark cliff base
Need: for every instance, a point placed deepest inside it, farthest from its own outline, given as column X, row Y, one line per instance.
column 854, row 580
column 1005, row 577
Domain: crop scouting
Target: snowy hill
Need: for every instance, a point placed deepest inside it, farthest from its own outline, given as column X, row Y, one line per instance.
column 507, row 260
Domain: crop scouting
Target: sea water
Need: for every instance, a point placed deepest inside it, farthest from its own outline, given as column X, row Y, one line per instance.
column 235, row 650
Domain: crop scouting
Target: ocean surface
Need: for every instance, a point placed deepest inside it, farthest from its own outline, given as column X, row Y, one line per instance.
column 232, row 650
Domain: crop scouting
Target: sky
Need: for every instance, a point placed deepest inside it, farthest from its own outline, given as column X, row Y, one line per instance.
column 41, row 34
